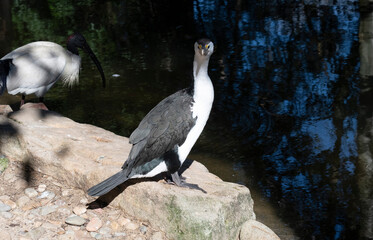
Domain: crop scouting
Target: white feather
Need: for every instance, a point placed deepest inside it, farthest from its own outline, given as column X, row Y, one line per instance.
column 38, row 65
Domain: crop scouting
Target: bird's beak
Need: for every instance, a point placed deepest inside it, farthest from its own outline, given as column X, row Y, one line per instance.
column 88, row 50
column 204, row 52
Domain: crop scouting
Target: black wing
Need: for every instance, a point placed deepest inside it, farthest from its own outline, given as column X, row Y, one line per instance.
column 165, row 126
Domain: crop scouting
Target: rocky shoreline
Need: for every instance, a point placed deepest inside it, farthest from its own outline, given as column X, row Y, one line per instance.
column 53, row 160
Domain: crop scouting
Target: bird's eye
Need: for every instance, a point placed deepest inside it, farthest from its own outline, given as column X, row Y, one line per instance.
column 207, row 46
column 200, row 46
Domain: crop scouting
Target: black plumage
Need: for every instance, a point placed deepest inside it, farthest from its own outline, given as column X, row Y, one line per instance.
column 164, row 128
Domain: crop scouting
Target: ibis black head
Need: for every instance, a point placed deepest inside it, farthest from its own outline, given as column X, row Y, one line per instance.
column 204, row 47
column 4, row 71
column 76, row 41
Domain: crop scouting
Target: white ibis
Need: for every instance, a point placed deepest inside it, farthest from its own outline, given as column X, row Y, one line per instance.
column 165, row 136
column 35, row 67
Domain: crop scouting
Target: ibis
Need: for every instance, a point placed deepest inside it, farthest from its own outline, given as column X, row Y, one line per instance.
column 35, row 67
column 166, row 135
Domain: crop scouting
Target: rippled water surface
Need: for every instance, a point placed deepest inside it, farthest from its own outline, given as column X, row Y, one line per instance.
column 292, row 117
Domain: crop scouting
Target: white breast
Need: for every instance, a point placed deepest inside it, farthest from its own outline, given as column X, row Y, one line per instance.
column 203, row 99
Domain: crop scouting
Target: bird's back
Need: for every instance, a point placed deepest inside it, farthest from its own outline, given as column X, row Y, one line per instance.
column 36, row 67
column 164, row 127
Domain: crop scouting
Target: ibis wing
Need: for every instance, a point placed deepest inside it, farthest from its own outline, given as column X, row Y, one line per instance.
column 165, row 126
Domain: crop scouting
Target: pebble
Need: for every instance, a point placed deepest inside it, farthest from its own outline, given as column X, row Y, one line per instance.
column 114, row 225
column 4, row 207
column 120, row 234
column 105, row 231
column 6, row 215
column 84, row 201
column 143, row 229
column 157, row 236
column 47, row 210
column 65, row 193
column 41, row 188
column 47, row 195
column 4, row 235
column 79, row 210
column 94, row 224
column 123, row 221
column 75, row 220
column 22, row 201
column 10, row 203
column 30, row 192
column 131, row 226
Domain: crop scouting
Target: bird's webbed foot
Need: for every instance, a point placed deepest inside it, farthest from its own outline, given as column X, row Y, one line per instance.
column 180, row 182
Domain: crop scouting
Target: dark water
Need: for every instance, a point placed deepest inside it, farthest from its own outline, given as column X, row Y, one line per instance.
column 292, row 116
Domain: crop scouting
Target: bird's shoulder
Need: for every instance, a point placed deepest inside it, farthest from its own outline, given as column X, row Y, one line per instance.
column 173, row 111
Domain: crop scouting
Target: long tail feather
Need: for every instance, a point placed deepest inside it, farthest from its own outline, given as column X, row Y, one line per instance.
column 108, row 184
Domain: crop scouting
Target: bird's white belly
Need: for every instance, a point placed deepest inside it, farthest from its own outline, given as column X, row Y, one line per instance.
column 202, row 112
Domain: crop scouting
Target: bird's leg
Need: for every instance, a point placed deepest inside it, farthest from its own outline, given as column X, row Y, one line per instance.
column 23, row 100
column 180, row 181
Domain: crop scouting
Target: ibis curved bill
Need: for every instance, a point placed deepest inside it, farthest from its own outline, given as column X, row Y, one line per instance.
column 35, row 67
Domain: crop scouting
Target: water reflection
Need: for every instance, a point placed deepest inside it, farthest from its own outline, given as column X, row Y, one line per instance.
column 288, row 107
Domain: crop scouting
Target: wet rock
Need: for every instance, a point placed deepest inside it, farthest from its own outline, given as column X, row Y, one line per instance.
column 30, row 192
column 79, row 210
column 75, row 220
column 94, row 224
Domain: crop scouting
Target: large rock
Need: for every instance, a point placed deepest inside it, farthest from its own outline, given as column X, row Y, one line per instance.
column 82, row 155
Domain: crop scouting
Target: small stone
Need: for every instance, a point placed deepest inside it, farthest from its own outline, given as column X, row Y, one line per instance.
column 123, row 221
column 93, row 234
column 114, row 225
column 22, row 201
column 30, row 192
column 4, row 207
column 98, row 236
column 10, row 203
column 105, row 231
column 79, row 210
column 75, row 220
column 36, row 233
column 47, row 210
column 84, row 201
column 47, row 195
column 94, row 224
column 157, row 236
column 4, row 235
column 6, row 215
column 41, row 188
column 65, row 193
column 131, row 226
column 143, row 229
column 120, row 234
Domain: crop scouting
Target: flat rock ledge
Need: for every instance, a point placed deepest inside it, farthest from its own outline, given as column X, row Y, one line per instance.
column 81, row 155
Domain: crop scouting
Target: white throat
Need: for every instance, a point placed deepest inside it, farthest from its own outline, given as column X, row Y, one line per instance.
column 203, row 98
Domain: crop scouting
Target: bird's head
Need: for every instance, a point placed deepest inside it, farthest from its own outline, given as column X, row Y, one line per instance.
column 76, row 41
column 204, row 47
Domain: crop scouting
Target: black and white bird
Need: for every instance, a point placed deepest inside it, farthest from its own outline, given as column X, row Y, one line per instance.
column 36, row 66
column 165, row 136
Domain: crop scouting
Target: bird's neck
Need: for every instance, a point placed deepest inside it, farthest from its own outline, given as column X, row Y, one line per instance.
column 203, row 90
